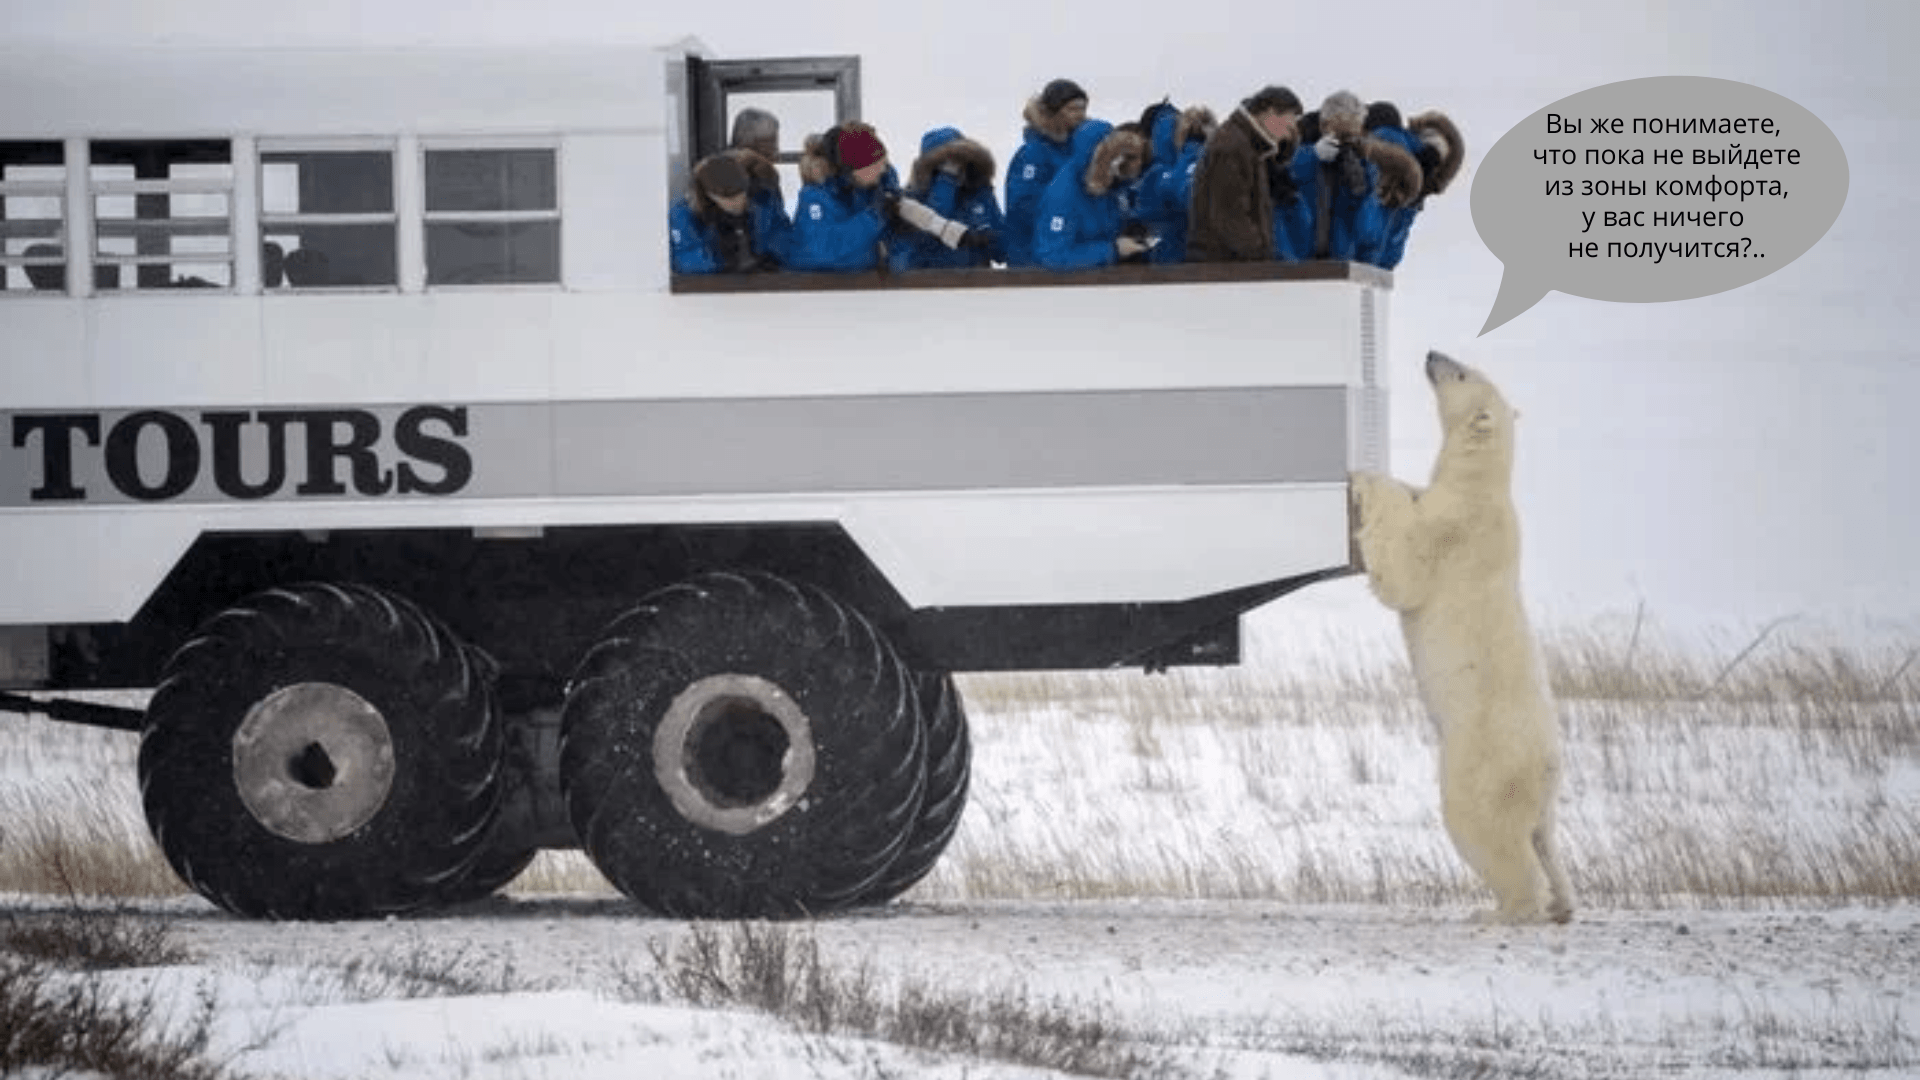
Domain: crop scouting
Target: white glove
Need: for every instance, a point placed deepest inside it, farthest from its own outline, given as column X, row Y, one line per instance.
column 921, row 216
column 1327, row 148
column 1128, row 247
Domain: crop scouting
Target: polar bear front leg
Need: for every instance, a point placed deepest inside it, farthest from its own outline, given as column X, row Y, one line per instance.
column 1389, row 526
column 1559, row 889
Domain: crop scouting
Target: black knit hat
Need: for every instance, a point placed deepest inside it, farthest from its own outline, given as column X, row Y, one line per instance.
column 1059, row 93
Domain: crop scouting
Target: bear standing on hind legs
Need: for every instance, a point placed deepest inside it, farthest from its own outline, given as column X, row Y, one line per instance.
column 1448, row 560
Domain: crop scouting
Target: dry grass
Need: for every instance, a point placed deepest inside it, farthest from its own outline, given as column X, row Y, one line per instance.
column 1754, row 768
column 778, row 970
column 55, row 1020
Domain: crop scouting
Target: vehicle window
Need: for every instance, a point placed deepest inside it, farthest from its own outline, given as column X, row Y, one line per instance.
column 163, row 214
column 33, row 217
column 327, row 217
column 800, row 113
column 492, row 216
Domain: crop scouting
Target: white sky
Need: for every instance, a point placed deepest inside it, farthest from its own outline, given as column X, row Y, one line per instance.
column 1730, row 458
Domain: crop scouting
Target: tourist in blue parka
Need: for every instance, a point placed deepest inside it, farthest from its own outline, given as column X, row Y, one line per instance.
column 1350, row 182
column 1083, row 218
column 1292, row 215
column 1435, row 145
column 1383, row 123
column 1052, row 116
column 1177, row 138
column 849, row 201
column 728, row 222
column 953, row 178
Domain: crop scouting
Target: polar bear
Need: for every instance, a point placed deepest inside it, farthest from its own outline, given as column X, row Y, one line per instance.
column 1448, row 560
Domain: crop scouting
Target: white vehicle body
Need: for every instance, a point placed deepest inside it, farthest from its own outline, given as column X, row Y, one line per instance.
column 348, row 400
column 1097, row 443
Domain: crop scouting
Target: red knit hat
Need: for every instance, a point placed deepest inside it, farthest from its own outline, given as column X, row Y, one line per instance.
column 859, row 147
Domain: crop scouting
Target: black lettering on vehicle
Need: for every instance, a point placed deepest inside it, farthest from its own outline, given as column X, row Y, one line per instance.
column 411, row 438
column 363, row 432
column 182, row 457
column 56, row 451
column 229, row 464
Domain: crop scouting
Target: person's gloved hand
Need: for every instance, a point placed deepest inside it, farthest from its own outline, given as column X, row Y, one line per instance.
column 979, row 239
column 1327, row 148
column 1129, row 248
column 921, row 216
column 887, row 205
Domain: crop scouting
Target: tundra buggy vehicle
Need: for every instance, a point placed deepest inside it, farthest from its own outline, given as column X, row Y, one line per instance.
column 350, row 405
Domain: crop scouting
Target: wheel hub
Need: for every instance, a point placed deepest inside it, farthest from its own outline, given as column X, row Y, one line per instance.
column 313, row 761
column 733, row 753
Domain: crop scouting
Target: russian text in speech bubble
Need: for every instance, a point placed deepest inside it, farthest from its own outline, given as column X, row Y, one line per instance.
column 1666, row 188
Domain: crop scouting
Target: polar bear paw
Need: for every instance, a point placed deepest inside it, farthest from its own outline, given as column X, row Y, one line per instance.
column 1384, row 519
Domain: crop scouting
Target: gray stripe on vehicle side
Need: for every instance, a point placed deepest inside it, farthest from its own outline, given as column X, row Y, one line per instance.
column 690, row 447
column 949, row 442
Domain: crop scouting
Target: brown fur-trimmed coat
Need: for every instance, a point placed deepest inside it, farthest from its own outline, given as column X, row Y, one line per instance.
column 1230, row 215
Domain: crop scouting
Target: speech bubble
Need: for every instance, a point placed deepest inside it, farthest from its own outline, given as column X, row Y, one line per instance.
column 1657, row 189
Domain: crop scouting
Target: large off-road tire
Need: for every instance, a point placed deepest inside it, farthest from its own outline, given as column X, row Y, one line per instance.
column 742, row 746
column 499, row 862
column 949, row 767
column 322, row 752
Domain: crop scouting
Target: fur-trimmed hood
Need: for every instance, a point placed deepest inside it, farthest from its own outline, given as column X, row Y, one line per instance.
column 817, row 165
column 946, row 146
column 1169, row 128
column 761, row 173
column 814, row 166
column 1097, row 147
column 1195, row 121
column 1436, row 130
column 1400, row 178
column 761, row 176
column 1051, row 124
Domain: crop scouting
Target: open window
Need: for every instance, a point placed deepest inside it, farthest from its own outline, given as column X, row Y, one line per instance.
column 163, row 213
column 806, row 95
column 33, row 217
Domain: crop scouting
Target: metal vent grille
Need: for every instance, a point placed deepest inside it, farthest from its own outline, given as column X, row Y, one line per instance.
column 1370, row 427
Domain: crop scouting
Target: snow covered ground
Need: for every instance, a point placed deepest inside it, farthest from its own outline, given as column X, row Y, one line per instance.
column 1207, row 988
column 1211, row 874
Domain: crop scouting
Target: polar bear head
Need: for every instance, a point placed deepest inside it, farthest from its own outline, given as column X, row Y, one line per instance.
column 1476, row 422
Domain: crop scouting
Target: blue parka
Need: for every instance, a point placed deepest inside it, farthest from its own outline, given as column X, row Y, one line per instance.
column 1167, row 186
column 967, row 198
column 1399, row 222
column 1076, row 228
column 1030, row 172
column 835, row 224
column 1292, row 225
column 1358, row 224
column 690, row 237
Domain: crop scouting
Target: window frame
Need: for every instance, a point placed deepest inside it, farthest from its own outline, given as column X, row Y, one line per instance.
column 104, row 227
column 63, row 231
column 553, row 144
column 267, row 145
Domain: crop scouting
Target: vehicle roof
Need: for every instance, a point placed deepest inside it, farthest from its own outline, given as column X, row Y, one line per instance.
column 332, row 90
